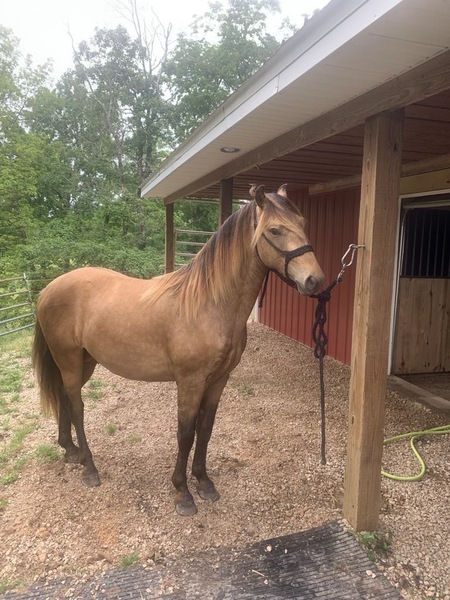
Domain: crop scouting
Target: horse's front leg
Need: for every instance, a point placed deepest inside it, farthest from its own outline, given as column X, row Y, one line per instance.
column 205, row 422
column 189, row 398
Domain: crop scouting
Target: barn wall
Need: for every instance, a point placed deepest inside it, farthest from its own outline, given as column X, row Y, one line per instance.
column 333, row 225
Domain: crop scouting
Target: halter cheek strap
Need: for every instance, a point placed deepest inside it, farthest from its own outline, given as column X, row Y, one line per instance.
column 288, row 256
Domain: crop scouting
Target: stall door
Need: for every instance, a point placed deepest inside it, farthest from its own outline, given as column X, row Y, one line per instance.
column 422, row 333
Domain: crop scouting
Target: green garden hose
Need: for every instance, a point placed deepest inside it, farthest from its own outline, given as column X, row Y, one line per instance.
column 413, row 435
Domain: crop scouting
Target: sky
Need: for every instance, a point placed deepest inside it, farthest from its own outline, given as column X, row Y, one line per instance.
column 43, row 26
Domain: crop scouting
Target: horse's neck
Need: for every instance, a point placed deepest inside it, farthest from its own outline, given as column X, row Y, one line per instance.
column 225, row 278
column 245, row 287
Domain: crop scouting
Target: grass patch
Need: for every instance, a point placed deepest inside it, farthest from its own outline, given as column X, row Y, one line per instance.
column 11, row 381
column 94, row 390
column 9, row 478
column 20, row 343
column 95, row 384
column 4, row 423
column 4, row 407
column 11, row 470
column 129, row 560
column 15, row 398
column 134, row 438
column 376, row 544
column 3, row 504
column 111, row 428
column 16, row 442
column 5, row 585
column 13, row 474
column 47, row 453
column 11, row 377
column 12, row 457
column 247, row 391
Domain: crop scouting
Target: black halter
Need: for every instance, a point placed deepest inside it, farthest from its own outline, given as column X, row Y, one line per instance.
column 288, row 255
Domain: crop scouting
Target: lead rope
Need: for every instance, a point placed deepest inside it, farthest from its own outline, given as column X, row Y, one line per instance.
column 264, row 289
column 320, row 338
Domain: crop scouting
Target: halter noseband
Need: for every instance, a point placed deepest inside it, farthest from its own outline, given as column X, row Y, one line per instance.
column 288, row 254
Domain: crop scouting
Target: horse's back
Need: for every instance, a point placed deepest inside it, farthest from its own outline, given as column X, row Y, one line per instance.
column 84, row 277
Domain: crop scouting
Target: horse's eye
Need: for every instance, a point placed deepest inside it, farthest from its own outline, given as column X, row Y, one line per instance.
column 274, row 231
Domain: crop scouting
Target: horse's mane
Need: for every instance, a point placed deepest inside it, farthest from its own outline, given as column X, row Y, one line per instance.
column 218, row 265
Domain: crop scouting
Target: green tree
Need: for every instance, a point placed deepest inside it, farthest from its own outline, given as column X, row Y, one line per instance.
column 224, row 48
column 61, row 188
column 72, row 155
column 125, row 100
column 26, row 159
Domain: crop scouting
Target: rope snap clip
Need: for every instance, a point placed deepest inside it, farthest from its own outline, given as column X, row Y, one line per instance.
column 352, row 248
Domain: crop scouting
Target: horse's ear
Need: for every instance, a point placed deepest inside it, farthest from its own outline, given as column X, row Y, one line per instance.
column 258, row 194
column 282, row 190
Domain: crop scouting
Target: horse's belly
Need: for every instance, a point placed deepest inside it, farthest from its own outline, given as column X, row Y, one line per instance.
column 149, row 372
column 133, row 362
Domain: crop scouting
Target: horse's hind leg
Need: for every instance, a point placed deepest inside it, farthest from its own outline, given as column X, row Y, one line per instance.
column 72, row 452
column 73, row 380
column 205, row 422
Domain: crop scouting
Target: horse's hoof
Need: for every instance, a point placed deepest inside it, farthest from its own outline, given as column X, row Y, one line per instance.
column 91, row 479
column 186, row 508
column 72, row 457
column 209, row 493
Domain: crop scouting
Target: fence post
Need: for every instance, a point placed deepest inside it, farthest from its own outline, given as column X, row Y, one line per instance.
column 28, row 291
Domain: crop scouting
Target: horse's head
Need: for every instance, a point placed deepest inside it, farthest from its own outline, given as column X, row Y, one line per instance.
column 281, row 242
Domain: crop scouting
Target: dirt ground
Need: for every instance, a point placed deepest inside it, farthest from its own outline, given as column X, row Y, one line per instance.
column 264, row 457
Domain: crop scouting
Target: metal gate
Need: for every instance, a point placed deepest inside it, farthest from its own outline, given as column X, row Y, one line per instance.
column 188, row 243
column 16, row 305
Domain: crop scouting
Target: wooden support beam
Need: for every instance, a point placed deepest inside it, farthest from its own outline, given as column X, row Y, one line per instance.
column 170, row 240
column 372, row 317
column 425, row 182
column 428, row 165
column 225, row 199
column 342, row 183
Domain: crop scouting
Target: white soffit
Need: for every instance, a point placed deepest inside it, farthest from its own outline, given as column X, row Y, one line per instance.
column 348, row 48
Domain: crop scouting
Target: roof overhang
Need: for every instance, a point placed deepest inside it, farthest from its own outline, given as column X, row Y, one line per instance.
column 346, row 50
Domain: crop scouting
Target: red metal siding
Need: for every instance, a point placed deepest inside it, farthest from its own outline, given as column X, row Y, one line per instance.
column 333, row 225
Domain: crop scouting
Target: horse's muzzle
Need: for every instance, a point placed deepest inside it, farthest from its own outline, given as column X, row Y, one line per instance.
column 310, row 286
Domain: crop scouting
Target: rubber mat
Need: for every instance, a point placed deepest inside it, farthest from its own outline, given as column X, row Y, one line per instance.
column 319, row 564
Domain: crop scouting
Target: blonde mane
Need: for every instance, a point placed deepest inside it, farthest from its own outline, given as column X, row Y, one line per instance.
column 212, row 274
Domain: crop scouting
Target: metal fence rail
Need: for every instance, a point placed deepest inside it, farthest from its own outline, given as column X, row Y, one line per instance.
column 188, row 243
column 19, row 313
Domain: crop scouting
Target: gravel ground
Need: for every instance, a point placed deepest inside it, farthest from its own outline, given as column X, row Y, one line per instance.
column 264, row 458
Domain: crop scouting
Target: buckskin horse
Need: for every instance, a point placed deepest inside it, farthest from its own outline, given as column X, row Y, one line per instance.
column 188, row 326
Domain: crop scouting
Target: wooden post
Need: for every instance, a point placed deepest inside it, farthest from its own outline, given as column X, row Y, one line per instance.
column 225, row 199
column 170, row 239
column 372, row 317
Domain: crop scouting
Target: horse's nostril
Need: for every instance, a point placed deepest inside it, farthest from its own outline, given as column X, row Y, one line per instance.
column 311, row 283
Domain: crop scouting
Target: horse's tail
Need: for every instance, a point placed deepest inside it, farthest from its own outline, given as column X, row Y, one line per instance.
column 47, row 373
